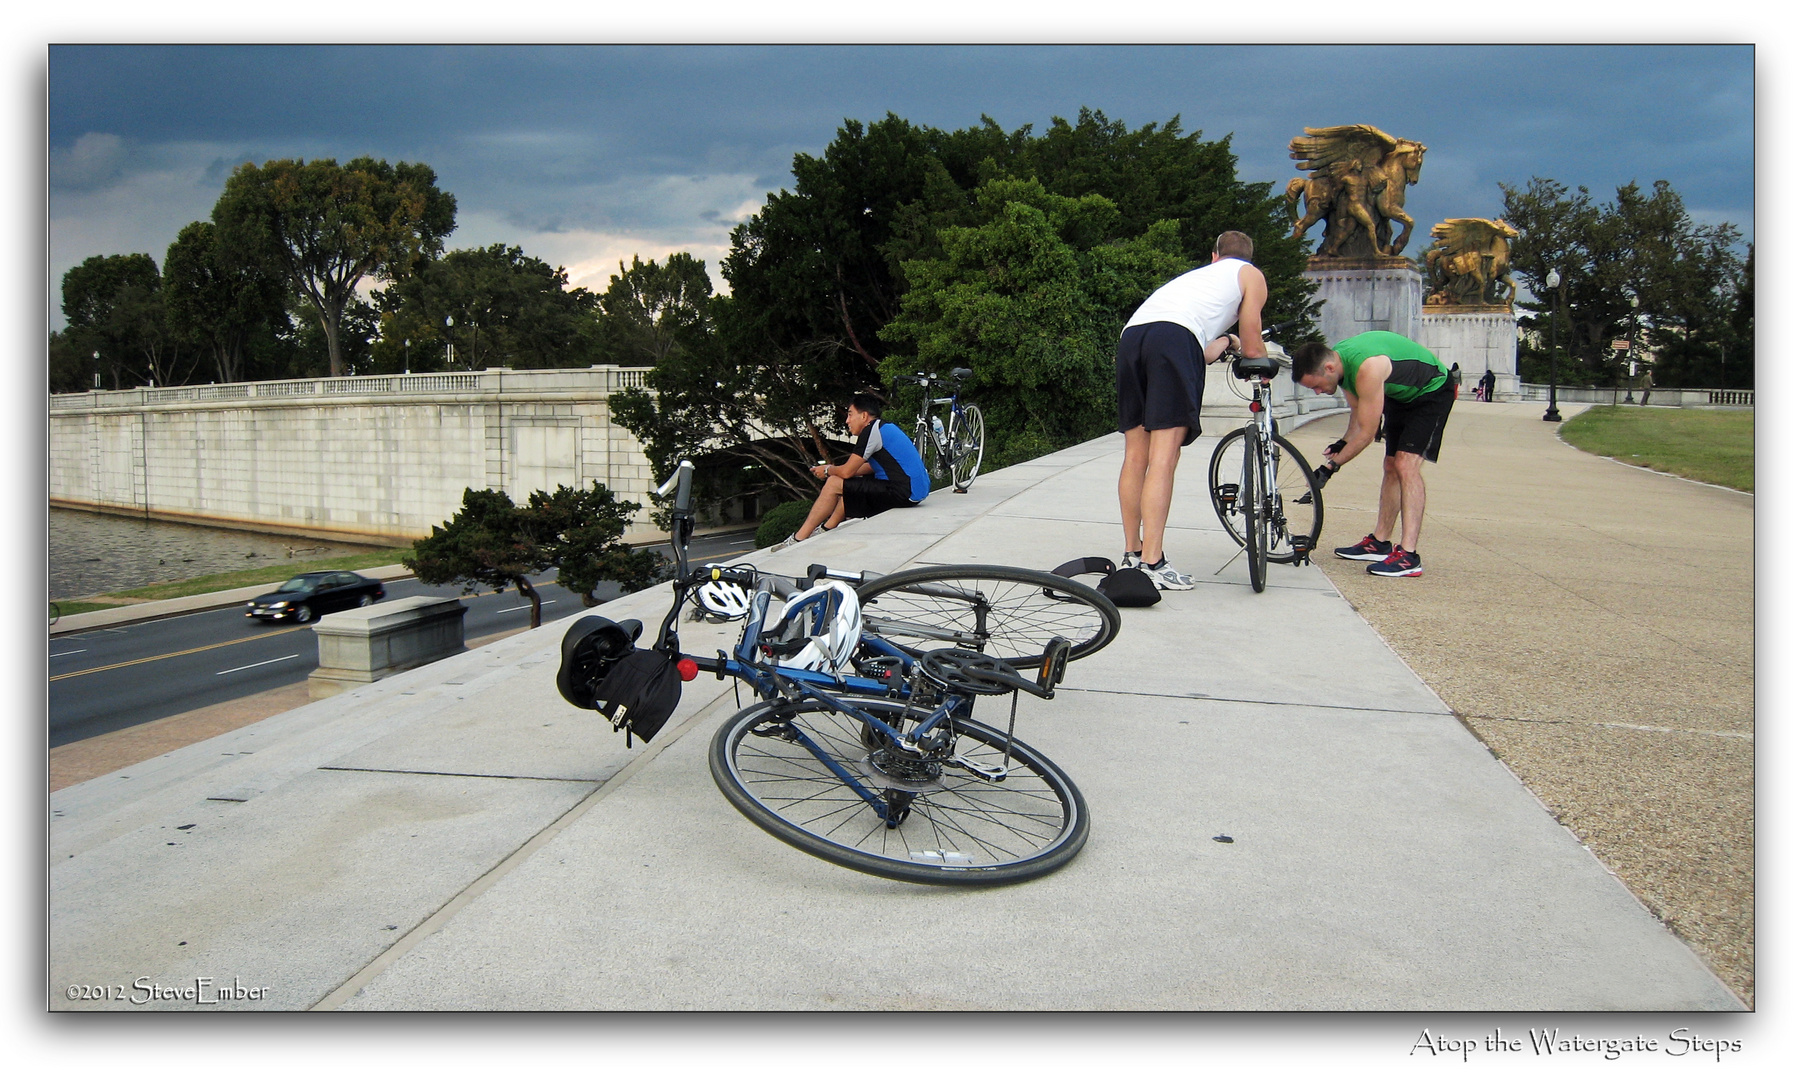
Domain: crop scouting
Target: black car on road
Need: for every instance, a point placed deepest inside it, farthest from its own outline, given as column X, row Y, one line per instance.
column 305, row 597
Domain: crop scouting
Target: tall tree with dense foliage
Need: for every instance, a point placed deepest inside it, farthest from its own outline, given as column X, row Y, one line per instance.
column 324, row 227
column 496, row 305
column 1031, row 299
column 819, row 274
column 114, row 307
column 222, row 304
column 1687, row 279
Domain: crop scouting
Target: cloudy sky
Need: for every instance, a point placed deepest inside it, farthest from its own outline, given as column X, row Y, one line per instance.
column 586, row 155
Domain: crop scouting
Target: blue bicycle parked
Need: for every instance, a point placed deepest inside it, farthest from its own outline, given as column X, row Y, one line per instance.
column 861, row 747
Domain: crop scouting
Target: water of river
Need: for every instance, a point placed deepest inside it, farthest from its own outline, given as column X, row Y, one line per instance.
column 103, row 553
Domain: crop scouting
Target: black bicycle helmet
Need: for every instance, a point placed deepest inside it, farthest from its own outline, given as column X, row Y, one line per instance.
column 589, row 650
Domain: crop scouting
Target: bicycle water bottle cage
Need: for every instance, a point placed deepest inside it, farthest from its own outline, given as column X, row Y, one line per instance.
column 1260, row 367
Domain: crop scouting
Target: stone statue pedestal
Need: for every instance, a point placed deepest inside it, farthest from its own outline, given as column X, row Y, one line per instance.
column 1367, row 294
column 1480, row 337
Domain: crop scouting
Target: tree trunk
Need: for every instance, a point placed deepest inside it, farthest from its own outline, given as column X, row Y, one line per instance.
column 537, row 602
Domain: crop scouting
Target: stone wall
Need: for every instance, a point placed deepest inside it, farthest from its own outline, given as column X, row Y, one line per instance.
column 1481, row 341
column 380, row 457
column 1364, row 299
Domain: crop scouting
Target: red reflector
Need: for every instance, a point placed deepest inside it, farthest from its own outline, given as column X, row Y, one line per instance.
column 687, row 668
column 1256, row 406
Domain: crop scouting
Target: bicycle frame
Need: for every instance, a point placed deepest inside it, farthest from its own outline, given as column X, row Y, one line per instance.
column 923, row 427
column 1259, row 438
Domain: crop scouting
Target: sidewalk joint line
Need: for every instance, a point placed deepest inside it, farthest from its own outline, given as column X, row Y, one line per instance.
column 469, row 775
column 1255, row 701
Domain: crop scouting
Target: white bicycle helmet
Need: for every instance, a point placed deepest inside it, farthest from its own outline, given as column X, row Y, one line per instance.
column 723, row 601
column 819, row 628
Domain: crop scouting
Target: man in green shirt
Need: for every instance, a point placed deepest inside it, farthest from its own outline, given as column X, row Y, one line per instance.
column 1395, row 384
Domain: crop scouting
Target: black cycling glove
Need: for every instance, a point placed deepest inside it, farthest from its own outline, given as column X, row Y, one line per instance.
column 1336, row 446
column 1322, row 474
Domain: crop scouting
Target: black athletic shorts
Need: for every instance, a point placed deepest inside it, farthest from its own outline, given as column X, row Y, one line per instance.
column 1161, row 374
column 866, row 496
column 1417, row 426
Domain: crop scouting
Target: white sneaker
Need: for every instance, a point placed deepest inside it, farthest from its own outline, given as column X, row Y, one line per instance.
column 1166, row 576
column 791, row 540
column 1130, row 560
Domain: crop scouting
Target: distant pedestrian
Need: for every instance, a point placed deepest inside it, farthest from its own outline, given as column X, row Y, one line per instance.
column 1487, row 385
column 1455, row 379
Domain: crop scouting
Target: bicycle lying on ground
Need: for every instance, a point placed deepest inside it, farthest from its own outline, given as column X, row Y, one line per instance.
column 953, row 443
column 862, row 748
column 1250, row 470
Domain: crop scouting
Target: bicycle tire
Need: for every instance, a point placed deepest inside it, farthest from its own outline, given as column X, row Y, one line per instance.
column 968, row 441
column 1292, row 473
column 1256, row 524
column 1006, row 611
column 956, row 828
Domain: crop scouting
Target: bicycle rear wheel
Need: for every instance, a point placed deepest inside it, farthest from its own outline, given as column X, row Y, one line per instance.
column 1296, row 497
column 1004, row 611
column 1012, row 816
column 968, row 439
column 1255, row 519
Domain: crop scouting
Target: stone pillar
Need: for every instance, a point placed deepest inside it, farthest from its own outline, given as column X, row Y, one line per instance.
column 1481, row 339
column 359, row 646
column 1367, row 294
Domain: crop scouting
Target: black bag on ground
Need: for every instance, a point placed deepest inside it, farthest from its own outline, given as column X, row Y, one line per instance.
column 1129, row 587
column 636, row 689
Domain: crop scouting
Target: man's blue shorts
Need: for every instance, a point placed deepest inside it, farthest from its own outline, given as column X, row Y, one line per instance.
column 1161, row 374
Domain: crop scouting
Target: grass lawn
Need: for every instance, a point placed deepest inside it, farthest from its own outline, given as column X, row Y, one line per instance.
column 238, row 579
column 1712, row 445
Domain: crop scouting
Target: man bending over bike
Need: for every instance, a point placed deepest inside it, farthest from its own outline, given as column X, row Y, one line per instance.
column 1161, row 371
column 1387, row 379
column 884, row 471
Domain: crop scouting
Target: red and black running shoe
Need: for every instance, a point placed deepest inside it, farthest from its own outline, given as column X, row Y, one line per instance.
column 1368, row 549
column 1401, row 563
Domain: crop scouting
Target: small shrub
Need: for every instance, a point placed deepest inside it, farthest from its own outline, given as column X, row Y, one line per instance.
column 783, row 519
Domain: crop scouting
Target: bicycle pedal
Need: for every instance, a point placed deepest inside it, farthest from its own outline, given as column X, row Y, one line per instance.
column 1226, row 494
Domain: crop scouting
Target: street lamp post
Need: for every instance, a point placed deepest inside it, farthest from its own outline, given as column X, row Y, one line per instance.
column 1553, row 281
column 1631, row 348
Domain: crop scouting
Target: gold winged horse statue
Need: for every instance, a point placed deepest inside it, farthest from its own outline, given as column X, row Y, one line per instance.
column 1358, row 177
column 1469, row 263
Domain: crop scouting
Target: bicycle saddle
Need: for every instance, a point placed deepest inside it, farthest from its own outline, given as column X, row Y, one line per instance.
column 1260, row 367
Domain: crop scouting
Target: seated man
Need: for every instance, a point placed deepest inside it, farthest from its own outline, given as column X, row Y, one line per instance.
column 884, row 471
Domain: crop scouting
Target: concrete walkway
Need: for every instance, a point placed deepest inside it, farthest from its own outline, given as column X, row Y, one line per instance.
column 457, row 837
column 1594, row 623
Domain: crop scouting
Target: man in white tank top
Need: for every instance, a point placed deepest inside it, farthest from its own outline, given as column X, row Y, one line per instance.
column 1160, row 368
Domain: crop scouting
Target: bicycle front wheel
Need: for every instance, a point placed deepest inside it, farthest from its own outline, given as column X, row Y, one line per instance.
column 981, row 811
column 1004, row 611
column 1296, row 507
column 968, row 439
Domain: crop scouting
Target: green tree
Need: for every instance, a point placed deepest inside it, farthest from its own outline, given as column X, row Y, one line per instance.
column 114, row 307
column 323, row 227
column 222, row 305
column 498, row 306
column 1032, row 300
column 494, row 543
column 586, row 527
column 822, row 269
column 1643, row 245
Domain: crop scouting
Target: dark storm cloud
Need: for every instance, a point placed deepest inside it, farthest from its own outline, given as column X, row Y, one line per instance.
column 673, row 143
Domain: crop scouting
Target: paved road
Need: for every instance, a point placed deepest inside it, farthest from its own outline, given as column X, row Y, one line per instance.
column 111, row 678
